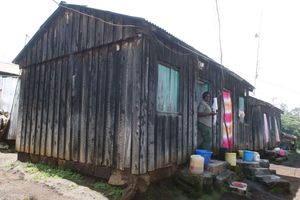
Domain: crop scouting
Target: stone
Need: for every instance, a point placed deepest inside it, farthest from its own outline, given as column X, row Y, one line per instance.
column 246, row 164
column 251, row 172
column 265, row 163
column 117, row 178
column 225, row 178
column 189, row 183
column 216, row 166
column 281, row 159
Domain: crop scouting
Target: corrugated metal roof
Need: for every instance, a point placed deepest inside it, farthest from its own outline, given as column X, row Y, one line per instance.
column 156, row 29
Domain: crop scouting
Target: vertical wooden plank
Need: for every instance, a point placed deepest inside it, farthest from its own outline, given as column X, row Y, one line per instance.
column 76, row 107
column 173, row 136
column 69, row 36
column 55, row 47
column 91, row 32
column 184, row 73
column 20, row 113
column 151, row 106
column 45, row 46
column 45, row 110
column 117, row 105
column 69, row 95
column 39, row 51
column 144, row 107
column 159, row 132
column 179, row 140
column 136, row 97
column 100, row 119
column 29, row 109
column 84, row 108
column 62, row 110
column 118, row 30
column 121, row 108
column 93, row 72
column 83, row 32
column 50, row 123
column 128, row 63
column 167, row 140
column 40, row 110
column 56, row 114
column 99, row 32
column 25, row 82
column 108, row 29
column 190, row 107
column 109, row 110
column 75, row 31
column 61, row 35
column 34, row 110
column 195, row 106
column 50, row 43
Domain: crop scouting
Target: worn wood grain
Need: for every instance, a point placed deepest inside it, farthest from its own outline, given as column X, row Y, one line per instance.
column 136, row 109
column 93, row 72
column 151, row 106
column 57, row 103
column 62, row 110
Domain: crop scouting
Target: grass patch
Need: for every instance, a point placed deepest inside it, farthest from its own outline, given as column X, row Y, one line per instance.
column 42, row 171
column 108, row 190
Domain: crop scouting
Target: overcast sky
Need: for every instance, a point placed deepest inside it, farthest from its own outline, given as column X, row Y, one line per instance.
column 195, row 22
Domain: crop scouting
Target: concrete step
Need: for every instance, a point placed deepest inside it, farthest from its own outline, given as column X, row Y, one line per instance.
column 274, row 183
column 252, row 172
column 247, row 164
column 216, row 166
column 225, row 178
column 193, row 185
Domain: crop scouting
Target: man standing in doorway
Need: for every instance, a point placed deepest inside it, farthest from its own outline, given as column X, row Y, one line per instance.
column 204, row 113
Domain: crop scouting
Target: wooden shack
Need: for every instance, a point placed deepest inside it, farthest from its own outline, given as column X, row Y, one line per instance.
column 111, row 91
column 266, row 124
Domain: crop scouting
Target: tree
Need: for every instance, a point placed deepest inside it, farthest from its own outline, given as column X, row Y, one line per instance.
column 290, row 122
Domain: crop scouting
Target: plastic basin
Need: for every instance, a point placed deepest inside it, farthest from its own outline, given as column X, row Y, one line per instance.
column 205, row 154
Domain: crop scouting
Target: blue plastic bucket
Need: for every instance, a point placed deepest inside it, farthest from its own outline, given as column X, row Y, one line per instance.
column 248, row 155
column 205, row 154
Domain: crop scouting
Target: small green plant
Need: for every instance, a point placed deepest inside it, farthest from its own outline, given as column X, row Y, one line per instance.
column 42, row 171
column 111, row 191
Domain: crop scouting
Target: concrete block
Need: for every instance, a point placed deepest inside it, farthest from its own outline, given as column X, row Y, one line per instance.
column 216, row 166
column 274, row 183
column 264, row 163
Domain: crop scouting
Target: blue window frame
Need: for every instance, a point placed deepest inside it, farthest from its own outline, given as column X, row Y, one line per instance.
column 167, row 99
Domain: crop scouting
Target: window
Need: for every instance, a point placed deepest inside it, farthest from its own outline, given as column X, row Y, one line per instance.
column 201, row 87
column 167, row 99
column 242, row 109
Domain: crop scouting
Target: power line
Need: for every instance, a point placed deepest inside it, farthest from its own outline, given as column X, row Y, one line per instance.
column 220, row 40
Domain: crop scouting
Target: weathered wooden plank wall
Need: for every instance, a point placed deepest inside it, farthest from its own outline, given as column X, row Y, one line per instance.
column 89, row 96
column 258, row 108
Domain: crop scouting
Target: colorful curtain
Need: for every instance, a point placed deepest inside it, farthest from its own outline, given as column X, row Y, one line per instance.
column 227, row 128
column 266, row 128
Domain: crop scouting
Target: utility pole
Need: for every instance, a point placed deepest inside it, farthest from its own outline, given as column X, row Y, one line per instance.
column 258, row 36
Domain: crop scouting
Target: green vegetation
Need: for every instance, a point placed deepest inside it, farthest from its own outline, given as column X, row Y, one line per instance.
column 42, row 172
column 291, row 121
column 108, row 190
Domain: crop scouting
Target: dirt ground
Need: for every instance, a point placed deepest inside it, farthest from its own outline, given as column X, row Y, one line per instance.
column 17, row 184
